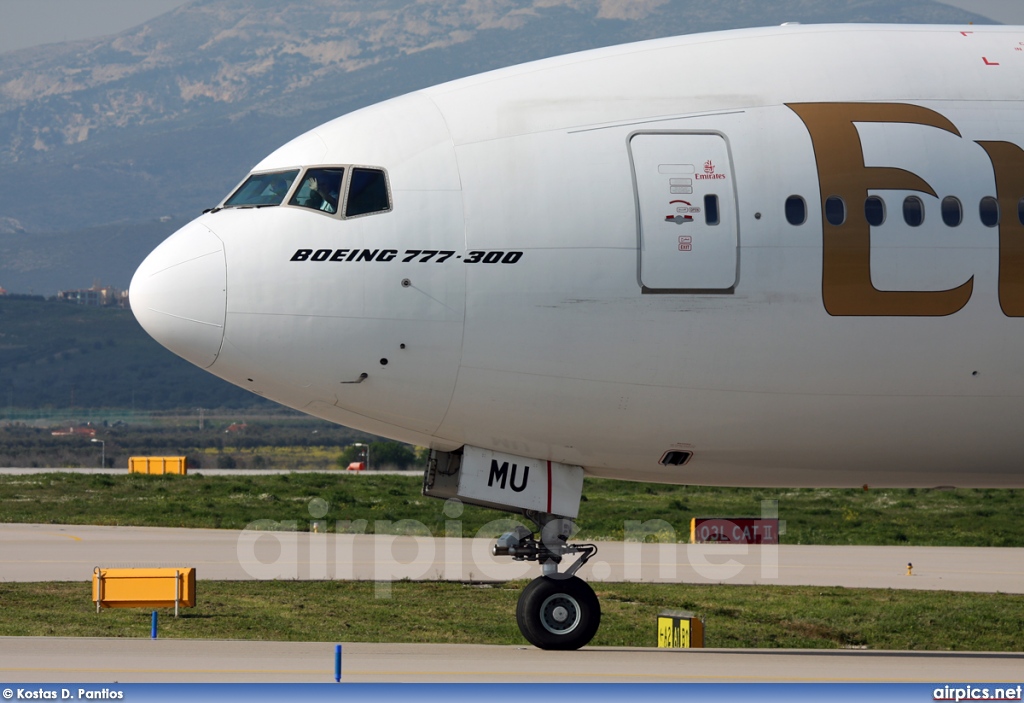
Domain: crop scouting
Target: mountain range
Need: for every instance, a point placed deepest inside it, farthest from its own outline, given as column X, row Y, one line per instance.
column 109, row 145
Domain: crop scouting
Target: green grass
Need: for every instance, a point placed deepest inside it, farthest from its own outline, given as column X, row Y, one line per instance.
column 283, row 442
column 988, row 518
column 735, row 616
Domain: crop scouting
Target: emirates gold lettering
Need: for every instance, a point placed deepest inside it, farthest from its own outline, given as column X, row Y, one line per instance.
column 846, row 287
column 1008, row 165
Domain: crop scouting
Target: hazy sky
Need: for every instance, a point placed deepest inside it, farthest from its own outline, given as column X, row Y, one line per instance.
column 1005, row 11
column 29, row 22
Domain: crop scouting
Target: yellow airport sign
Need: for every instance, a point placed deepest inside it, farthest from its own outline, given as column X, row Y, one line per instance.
column 158, row 465
column 679, row 630
column 144, row 588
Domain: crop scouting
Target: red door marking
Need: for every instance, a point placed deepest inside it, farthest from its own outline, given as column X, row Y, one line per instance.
column 549, row 487
column 989, row 63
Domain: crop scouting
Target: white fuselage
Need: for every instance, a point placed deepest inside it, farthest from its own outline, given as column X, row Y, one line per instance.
column 586, row 313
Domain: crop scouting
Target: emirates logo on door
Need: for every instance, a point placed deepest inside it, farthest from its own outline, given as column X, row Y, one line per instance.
column 709, row 172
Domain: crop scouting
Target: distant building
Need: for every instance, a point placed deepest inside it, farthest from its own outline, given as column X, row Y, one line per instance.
column 71, row 431
column 3, row 292
column 97, row 296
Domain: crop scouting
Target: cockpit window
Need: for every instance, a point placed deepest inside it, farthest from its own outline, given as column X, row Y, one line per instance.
column 320, row 189
column 262, row 189
column 367, row 192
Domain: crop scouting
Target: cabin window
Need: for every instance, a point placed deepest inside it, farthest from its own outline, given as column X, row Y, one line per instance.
column 952, row 211
column 835, row 210
column 367, row 192
column 263, row 189
column 874, row 211
column 913, row 211
column 319, row 190
column 1020, row 210
column 711, row 215
column 988, row 209
column 796, row 210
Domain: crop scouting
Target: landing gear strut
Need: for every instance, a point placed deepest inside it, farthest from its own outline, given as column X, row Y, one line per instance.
column 555, row 610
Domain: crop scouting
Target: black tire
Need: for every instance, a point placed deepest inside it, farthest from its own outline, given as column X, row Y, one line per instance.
column 558, row 613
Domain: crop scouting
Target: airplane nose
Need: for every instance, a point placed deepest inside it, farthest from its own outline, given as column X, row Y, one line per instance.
column 178, row 294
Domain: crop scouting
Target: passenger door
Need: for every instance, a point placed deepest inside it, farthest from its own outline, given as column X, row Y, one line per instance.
column 687, row 211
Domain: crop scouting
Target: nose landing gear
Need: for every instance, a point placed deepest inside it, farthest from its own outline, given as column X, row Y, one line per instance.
column 555, row 610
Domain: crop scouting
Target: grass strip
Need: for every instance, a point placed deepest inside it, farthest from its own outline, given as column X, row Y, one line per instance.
column 393, row 504
column 336, row 611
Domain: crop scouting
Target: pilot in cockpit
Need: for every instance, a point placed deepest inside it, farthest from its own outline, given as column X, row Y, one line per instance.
column 279, row 189
column 324, row 190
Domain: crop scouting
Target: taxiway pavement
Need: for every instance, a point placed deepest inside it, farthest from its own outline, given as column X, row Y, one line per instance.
column 88, row 660
column 25, row 471
column 70, row 552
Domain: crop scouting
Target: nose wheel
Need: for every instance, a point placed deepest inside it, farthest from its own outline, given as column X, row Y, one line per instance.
column 558, row 612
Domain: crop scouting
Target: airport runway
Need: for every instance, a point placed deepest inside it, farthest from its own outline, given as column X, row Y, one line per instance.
column 24, row 471
column 70, row 552
column 58, row 659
